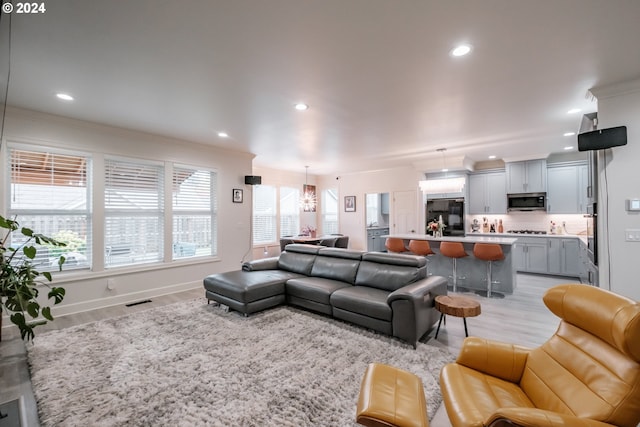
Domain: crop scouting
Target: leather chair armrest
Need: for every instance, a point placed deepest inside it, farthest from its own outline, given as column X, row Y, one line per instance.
column 533, row 417
column 501, row 360
column 261, row 264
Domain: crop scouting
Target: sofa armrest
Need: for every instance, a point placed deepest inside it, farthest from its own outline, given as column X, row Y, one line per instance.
column 417, row 291
column 413, row 308
column 261, row 264
column 501, row 360
column 533, row 417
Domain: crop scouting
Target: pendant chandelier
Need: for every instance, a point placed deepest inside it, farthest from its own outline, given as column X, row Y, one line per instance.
column 308, row 201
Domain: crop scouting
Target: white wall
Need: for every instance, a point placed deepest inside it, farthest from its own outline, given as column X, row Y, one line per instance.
column 359, row 184
column 88, row 290
column 619, row 105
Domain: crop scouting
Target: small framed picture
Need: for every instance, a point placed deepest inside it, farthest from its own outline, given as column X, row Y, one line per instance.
column 237, row 195
column 349, row 203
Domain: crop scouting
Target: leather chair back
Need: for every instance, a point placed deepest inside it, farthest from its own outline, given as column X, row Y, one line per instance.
column 393, row 244
column 452, row 250
column 342, row 242
column 488, row 251
column 591, row 366
column 420, row 247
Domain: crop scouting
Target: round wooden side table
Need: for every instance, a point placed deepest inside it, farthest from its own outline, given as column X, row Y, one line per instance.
column 457, row 306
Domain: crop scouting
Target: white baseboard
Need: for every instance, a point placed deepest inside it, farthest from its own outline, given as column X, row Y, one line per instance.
column 82, row 306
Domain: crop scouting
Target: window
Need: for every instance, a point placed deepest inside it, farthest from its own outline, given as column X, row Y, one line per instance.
column 289, row 211
column 194, row 212
column 264, row 214
column 134, row 212
column 50, row 194
column 372, row 202
column 329, row 211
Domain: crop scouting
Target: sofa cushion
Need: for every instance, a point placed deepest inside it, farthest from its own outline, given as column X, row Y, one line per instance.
column 364, row 300
column 390, row 271
column 248, row 286
column 298, row 258
column 337, row 264
column 314, row 288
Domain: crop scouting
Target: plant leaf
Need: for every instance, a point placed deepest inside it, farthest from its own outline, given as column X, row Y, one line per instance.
column 57, row 294
column 30, row 251
column 27, row 231
column 47, row 275
column 33, row 308
column 46, row 313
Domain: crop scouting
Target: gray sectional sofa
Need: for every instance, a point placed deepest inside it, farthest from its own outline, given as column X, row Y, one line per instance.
column 389, row 293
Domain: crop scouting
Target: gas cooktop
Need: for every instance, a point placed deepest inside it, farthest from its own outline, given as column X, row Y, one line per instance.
column 526, row 232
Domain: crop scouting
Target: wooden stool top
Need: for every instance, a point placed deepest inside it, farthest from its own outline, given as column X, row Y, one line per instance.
column 458, row 306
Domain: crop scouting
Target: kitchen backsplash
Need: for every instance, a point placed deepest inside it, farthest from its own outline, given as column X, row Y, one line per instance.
column 535, row 221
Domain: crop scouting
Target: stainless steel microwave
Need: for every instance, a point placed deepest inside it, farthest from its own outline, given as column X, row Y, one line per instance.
column 527, row 202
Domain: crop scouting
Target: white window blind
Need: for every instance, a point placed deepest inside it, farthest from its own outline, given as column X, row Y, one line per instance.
column 134, row 210
column 289, row 211
column 329, row 218
column 50, row 194
column 264, row 214
column 194, row 212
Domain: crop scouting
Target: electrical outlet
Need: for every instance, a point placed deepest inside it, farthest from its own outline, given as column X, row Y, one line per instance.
column 632, row 235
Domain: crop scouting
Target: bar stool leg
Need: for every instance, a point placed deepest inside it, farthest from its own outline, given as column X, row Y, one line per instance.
column 489, row 279
column 455, row 274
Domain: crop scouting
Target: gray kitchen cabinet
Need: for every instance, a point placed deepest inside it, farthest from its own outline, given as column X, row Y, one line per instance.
column 384, row 203
column 375, row 243
column 530, row 255
column 567, row 189
column 564, row 257
column 583, row 188
column 487, row 193
column 527, row 177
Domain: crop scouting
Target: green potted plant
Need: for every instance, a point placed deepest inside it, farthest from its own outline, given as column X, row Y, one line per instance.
column 20, row 278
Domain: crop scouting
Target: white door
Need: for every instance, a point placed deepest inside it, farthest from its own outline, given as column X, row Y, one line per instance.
column 405, row 212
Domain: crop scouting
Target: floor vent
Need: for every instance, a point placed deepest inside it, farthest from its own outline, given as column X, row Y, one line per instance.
column 138, row 303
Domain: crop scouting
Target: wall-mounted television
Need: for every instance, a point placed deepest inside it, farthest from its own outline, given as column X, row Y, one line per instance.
column 602, row 138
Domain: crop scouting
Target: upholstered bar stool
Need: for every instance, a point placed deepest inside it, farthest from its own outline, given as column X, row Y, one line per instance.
column 489, row 252
column 422, row 248
column 395, row 245
column 453, row 250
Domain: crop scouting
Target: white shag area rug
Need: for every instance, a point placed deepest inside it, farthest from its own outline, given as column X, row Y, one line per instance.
column 192, row 364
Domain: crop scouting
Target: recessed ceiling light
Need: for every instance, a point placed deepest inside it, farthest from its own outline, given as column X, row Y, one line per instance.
column 445, row 170
column 568, row 147
column 223, row 134
column 461, row 50
column 574, row 110
column 301, row 106
column 492, row 157
column 64, row 96
column 569, row 133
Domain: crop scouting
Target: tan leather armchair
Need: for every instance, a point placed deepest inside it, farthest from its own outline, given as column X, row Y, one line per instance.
column 586, row 374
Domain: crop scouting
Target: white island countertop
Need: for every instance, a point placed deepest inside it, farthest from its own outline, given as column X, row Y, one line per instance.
column 476, row 238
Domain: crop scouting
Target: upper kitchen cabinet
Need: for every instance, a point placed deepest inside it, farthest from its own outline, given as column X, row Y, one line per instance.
column 487, row 193
column 527, row 177
column 567, row 189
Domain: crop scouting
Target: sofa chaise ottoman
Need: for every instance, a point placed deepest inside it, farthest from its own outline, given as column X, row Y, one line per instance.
column 389, row 293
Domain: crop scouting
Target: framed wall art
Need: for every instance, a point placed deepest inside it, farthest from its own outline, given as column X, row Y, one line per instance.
column 237, row 195
column 349, row 203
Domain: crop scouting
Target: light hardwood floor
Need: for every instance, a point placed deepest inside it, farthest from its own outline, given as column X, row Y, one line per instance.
column 519, row 318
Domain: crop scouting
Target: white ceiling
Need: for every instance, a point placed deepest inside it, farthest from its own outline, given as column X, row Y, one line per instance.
column 382, row 88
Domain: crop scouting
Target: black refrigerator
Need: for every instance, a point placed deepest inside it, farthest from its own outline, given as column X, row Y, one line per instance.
column 452, row 211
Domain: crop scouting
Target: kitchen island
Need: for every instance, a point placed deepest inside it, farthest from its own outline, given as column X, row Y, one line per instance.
column 472, row 272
